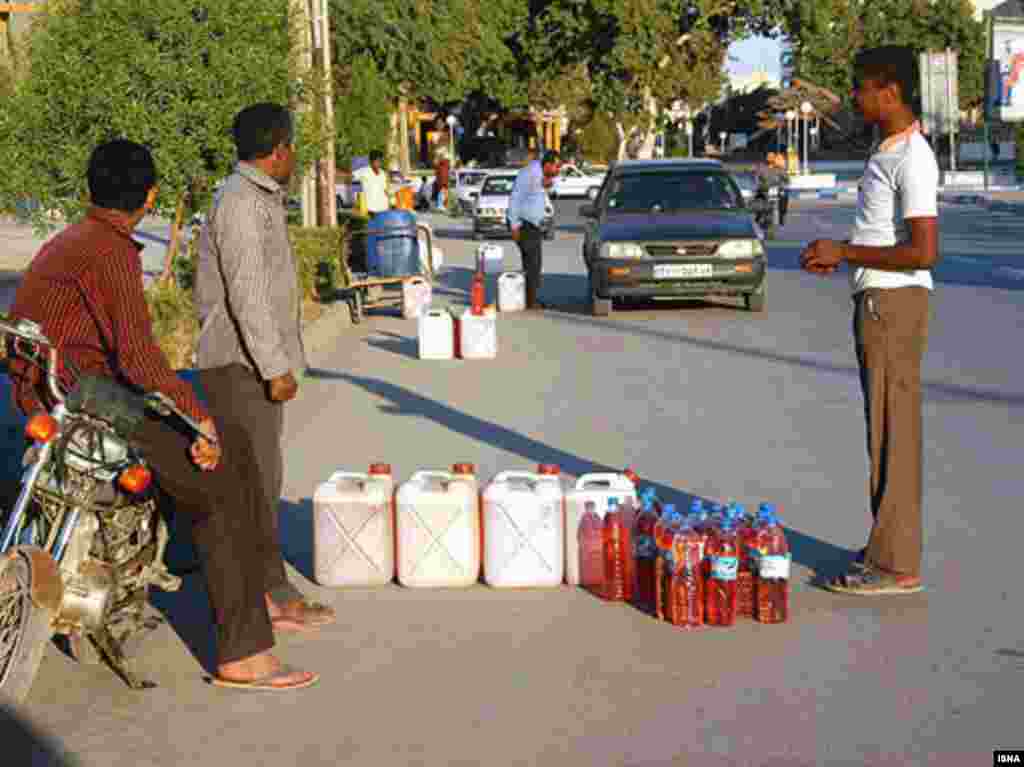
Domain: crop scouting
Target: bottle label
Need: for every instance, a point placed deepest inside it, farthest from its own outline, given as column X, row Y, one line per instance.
column 644, row 547
column 775, row 566
column 724, row 568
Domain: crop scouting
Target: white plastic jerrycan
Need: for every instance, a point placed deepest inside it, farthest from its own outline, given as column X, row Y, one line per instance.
column 436, row 335
column 524, row 520
column 416, row 297
column 353, row 528
column 511, row 292
column 478, row 336
column 490, row 258
column 438, row 531
column 597, row 489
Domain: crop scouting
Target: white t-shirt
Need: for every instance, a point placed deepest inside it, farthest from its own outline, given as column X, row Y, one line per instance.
column 901, row 181
column 375, row 188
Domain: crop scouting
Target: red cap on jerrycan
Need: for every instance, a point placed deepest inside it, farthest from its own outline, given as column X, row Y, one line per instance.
column 380, row 468
column 549, row 468
column 633, row 476
column 463, row 468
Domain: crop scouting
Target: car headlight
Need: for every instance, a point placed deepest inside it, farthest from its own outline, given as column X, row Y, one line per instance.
column 740, row 249
column 622, row 250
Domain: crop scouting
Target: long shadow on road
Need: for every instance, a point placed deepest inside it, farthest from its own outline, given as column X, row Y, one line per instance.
column 296, row 523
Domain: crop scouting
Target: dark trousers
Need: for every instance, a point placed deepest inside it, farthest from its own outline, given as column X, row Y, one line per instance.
column 783, row 206
column 891, row 332
column 239, row 396
column 222, row 507
column 531, row 244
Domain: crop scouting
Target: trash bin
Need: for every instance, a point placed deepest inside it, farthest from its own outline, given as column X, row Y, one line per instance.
column 392, row 245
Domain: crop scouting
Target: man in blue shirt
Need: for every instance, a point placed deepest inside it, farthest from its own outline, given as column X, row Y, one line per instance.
column 526, row 216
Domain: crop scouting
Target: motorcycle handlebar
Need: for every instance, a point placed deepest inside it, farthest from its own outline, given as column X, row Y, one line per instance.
column 31, row 332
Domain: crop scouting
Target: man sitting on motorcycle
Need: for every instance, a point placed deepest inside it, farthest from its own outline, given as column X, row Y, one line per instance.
column 84, row 288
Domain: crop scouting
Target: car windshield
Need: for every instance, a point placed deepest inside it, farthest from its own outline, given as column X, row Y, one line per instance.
column 658, row 192
column 498, row 185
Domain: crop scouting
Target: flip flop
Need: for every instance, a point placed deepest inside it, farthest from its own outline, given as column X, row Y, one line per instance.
column 306, row 613
column 867, row 581
column 265, row 683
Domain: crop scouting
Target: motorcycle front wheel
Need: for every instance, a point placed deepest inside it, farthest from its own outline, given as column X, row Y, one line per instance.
column 24, row 628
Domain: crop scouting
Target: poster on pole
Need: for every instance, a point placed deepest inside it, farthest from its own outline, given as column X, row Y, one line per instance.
column 1008, row 51
column 940, row 96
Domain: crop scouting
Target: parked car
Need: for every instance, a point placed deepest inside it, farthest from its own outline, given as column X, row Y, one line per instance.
column 671, row 228
column 490, row 217
column 574, row 182
column 468, row 182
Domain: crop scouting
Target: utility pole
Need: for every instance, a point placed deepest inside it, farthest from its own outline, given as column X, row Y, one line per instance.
column 301, row 24
column 327, row 208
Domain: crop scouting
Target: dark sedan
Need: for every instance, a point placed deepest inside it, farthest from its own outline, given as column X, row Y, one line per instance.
column 672, row 228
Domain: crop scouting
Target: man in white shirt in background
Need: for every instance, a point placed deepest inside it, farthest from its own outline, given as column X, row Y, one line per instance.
column 891, row 253
column 375, row 184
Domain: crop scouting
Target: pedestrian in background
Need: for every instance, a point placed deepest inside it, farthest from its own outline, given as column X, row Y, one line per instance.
column 374, row 182
column 526, row 209
column 250, row 353
column 891, row 253
column 441, row 179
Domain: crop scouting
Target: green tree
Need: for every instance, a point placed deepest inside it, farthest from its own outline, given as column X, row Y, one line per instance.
column 362, row 100
column 171, row 76
column 826, row 34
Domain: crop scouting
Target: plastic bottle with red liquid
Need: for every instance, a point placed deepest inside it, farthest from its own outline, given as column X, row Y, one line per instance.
column 591, row 549
column 746, row 575
column 664, row 532
column 645, row 552
column 478, row 293
column 772, row 587
column 720, row 592
column 618, row 555
column 687, row 584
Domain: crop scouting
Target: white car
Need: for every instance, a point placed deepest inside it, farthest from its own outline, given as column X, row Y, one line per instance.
column 490, row 216
column 468, row 183
column 573, row 182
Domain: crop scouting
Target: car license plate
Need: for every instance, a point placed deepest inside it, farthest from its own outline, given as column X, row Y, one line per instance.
column 681, row 271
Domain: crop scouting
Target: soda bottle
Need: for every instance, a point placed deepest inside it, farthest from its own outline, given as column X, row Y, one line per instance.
column 645, row 551
column 746, row 535
column 687, row 591
column 477, row 294
column 773, row 575
column 664, row 531
column 618, row 586
column 720, row 602
column 632, row 476
column 590, row 535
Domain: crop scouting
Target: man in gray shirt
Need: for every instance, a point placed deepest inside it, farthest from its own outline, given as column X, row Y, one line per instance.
column 249, row 305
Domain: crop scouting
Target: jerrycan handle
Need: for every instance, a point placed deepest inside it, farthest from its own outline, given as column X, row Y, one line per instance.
column 614, row 481
column 526, row 476
column 433, row 313
column 338, row 476
column 427, row 475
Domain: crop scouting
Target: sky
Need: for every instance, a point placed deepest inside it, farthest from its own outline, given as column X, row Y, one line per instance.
column 753, row 54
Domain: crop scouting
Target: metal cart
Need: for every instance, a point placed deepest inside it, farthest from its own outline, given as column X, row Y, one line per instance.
column 365, row 291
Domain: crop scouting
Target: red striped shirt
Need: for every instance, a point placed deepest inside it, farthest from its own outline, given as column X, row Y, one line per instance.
column 94, row 265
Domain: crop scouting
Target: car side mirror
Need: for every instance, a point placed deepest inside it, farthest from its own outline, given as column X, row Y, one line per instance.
column 592, row 193
column 588, row 211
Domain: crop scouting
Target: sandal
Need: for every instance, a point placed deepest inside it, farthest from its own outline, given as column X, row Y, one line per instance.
column 304, row 614
column 266, row 683
column 869, row 581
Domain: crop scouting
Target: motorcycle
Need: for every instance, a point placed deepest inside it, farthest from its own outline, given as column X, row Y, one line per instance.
column 766, row 211
column 84, row 541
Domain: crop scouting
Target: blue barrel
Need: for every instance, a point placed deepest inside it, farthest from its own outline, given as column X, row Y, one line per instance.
column 392, row 249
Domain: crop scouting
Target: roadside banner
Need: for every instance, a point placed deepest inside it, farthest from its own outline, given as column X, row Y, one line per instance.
column 1008, row 52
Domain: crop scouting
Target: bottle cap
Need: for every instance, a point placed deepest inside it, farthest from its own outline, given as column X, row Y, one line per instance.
column 380, row 468
column 463, row 468
column 633, row 476
column 668, row 509
column 549, row 468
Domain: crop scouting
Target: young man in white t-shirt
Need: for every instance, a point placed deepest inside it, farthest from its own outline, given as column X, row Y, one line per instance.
column 375, row 184
column 890, row 255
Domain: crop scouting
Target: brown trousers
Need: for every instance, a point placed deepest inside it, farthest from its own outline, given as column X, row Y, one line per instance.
column 239, row 396
column 890, row 328
column 222, row 506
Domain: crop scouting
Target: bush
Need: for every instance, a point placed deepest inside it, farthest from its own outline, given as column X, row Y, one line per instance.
column 1019, row 149
column 318, row 252
column 174, row 322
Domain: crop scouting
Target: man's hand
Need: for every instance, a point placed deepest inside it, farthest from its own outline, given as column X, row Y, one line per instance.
column 822, row 256
column 283, row 388
column 206, row 454
column 515, row 233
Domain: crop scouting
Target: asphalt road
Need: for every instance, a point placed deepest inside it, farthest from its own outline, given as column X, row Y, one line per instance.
column 705, row 400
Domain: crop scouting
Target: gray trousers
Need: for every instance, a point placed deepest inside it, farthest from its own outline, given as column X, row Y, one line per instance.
column 239, row 396
column 890, row 329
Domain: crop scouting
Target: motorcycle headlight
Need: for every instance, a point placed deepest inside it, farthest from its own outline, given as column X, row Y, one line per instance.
column 622, row 250
column 740, row 249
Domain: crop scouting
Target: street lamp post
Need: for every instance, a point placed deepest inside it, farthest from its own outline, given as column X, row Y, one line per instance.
column 689, row 138
column 790, row 134
column 451, row 138
column 806, row 109
column 721, row 137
